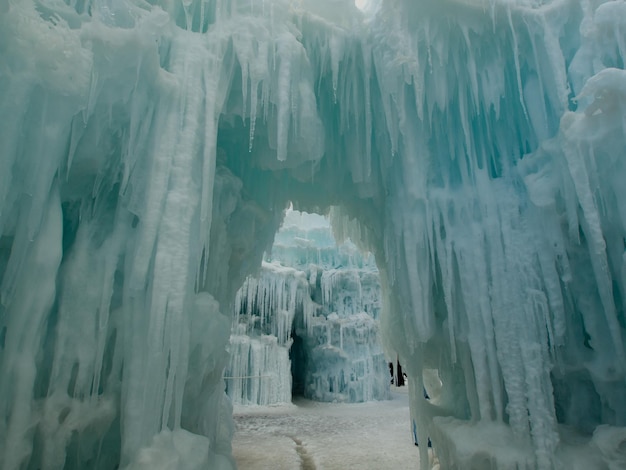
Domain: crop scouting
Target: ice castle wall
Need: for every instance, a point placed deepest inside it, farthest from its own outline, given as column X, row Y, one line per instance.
column 148, row 149
column 319, row 292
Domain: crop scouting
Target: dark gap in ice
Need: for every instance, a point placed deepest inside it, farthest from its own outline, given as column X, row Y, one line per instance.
column 297, row 355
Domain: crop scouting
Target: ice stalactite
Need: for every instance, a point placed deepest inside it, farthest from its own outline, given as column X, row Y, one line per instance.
column 148, row 152
column 259, row 371
column 330, row 308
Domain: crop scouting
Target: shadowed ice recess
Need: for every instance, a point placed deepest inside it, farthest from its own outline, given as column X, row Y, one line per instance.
column 149, row 149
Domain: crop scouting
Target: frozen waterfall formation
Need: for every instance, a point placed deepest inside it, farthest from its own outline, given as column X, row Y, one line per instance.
column 309, row 319
column 148, row 149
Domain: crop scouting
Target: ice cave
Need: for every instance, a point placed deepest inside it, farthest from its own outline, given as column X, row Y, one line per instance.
column 148, row 153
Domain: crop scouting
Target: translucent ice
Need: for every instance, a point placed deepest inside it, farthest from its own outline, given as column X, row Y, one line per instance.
column 309, row 317
column 148, row 151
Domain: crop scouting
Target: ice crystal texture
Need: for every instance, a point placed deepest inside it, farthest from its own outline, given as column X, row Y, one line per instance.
column 148, row 149
column 308, row 322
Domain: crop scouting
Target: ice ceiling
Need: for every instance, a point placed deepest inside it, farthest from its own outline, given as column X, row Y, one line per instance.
column 148, row 149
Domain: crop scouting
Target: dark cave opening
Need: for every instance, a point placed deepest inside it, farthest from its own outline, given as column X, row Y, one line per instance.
column 297, row 355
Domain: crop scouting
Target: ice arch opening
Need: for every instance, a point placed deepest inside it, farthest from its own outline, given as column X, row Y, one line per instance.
column 151, row 152
column 307, row 324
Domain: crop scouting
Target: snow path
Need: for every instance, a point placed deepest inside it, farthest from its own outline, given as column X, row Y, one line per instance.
column 310, row 435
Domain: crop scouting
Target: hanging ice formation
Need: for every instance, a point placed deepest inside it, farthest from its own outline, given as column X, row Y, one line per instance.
column 149, row 147
column 328, row 299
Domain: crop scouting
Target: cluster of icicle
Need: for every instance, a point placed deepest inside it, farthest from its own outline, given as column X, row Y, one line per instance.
column 346, row 362
column 512, row 274
column 343, row 359
column 478, row 143
column 259, row 370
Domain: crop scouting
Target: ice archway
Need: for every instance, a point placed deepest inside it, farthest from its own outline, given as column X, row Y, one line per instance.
column 147, row 152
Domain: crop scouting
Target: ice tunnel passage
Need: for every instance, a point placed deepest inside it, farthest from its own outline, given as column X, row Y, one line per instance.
column 150, row 152
column 307, row 323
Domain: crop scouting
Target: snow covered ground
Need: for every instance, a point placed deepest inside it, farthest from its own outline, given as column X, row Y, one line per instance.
column 312, row 435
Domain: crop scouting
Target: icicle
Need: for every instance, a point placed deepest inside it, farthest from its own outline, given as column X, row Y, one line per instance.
column 284, row 100
column 518, row 70
column 25, row 326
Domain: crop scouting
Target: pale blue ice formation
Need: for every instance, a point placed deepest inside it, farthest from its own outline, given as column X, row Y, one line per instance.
column 148, row 149
column 308, row 322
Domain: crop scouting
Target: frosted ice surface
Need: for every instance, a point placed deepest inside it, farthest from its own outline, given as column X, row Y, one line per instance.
column 316, row 293
column 148, row 151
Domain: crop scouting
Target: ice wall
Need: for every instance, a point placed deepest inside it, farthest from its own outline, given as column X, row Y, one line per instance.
column 325, row 296
column 344, row 360
column 148, row 149
column 259, row 370
column 307, row 239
